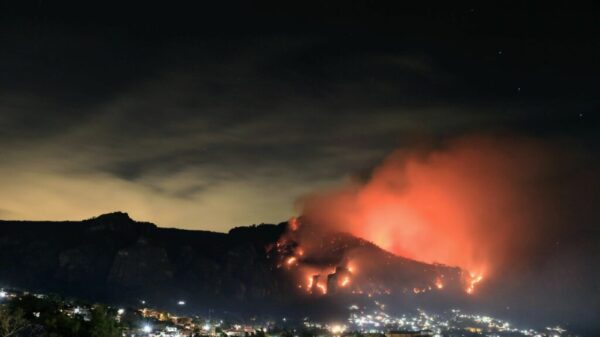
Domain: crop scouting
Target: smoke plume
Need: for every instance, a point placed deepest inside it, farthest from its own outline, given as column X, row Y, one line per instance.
column 485, row 204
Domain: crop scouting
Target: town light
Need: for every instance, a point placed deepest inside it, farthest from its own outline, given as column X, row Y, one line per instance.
column 147, row 328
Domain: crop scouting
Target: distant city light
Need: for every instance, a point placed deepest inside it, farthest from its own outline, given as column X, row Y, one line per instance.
column 360, row 319
column 337, row 329
column 147, row 328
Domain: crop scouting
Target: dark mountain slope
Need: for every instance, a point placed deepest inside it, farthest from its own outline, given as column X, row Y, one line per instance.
column 114, row 258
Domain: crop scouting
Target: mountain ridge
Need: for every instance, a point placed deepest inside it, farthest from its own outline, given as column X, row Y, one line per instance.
column 114, row 258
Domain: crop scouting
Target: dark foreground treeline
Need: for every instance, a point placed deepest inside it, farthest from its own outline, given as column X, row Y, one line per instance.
column 51, row 317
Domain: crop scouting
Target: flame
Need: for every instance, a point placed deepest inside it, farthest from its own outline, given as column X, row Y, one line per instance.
column 351, row 266
column 291, row 260
column 310, row 283
column 459, row 205
column 472, row 282
column 294, row 224
column 439, row 284
column 345, row 281
column 322, row 287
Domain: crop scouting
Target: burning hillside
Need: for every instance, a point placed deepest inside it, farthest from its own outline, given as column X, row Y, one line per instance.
column 334, row 263
column 478, row 203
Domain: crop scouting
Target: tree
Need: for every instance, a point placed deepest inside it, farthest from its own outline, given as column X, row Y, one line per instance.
column 45, row 313
column 11, row 323
column 58, row 324
column 103, row 324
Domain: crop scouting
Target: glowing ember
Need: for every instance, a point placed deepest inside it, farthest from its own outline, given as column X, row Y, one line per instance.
column 351, row 267
column 439, row 284
column 472, row 282
column 291, row 260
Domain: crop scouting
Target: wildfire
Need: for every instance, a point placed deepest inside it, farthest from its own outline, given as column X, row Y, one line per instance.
column 320, row 279
column 472, row 282
column 454, row 204
column 351, row 266
column 294, row 224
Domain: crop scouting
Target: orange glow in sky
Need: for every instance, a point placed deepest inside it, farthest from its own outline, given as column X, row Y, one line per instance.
column 461, row 205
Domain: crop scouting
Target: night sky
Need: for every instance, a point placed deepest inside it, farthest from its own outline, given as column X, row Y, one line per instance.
column 216, row 116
